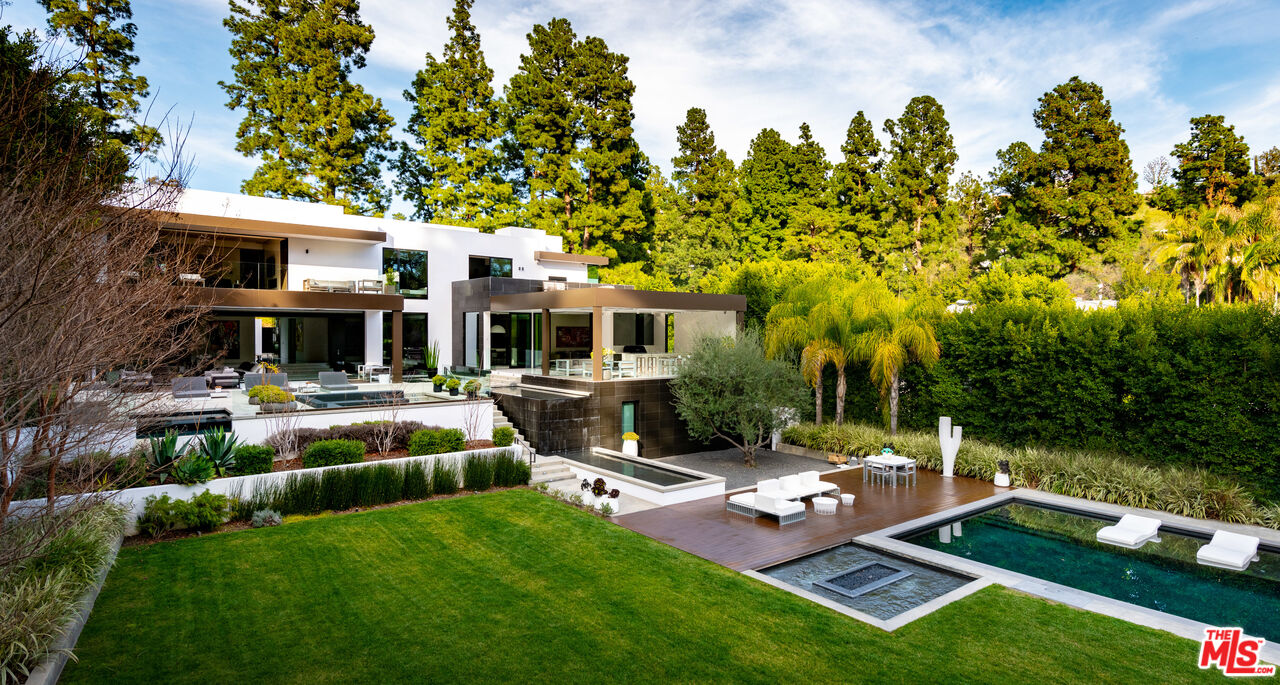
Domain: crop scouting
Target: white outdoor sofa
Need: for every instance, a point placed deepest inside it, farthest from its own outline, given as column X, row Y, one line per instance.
column 755, row 504
column 798, row 486
column 1229, row 550
column 1131, row 532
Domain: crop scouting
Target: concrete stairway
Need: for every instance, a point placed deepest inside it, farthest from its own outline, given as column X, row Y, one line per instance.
column 500, row 420
column 551, row 470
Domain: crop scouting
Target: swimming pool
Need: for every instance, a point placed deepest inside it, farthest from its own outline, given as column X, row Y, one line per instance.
column 354, row 398
column 1060, row 547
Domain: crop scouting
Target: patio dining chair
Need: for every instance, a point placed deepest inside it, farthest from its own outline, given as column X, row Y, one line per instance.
column 873, row 472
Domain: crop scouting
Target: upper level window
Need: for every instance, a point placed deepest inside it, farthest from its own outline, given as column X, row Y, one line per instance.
column 406, row 271
column 593, row 273
column 489, row 267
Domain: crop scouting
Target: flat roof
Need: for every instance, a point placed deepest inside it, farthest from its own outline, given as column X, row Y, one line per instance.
column 617, row 298
column 567, row 258
column 274, row 229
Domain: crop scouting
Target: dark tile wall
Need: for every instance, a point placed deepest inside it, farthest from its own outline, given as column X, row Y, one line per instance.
column 596, row 420
column 473, row 296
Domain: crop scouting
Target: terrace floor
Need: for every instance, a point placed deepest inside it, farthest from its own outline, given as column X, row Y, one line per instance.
column 705, row 528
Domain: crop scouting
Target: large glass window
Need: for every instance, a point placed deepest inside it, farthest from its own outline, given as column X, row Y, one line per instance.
column 406, row 271
column 413, row 343
column 489, row 267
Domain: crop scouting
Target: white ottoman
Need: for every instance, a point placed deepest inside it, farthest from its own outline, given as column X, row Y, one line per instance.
column 847, row 499
column 824, row 505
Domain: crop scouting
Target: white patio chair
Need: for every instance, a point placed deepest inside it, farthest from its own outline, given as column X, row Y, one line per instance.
column 1229, row 550
column 1131, row 532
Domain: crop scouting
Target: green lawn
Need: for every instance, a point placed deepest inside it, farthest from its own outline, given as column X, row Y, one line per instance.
column 517, row 587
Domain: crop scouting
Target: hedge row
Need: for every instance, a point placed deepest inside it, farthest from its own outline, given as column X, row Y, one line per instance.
column 1168, row 383
column 1186, row 491
column 436, row 441
column 369, row 432
column 380, row 483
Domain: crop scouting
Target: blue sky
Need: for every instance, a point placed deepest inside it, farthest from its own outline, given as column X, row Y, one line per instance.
column 777, row 63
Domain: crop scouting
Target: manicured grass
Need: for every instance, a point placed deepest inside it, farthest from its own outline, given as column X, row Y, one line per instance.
column 517, row 587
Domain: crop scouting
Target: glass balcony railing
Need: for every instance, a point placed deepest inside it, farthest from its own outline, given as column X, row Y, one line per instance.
column 239, row 275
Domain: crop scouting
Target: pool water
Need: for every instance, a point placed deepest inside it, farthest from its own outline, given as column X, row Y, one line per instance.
column 353, row 398
column 922, row 585
column 626, row 467
column 1061, row 547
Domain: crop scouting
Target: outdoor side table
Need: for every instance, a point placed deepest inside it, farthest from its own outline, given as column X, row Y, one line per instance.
column 847, row 499
column 824, row 505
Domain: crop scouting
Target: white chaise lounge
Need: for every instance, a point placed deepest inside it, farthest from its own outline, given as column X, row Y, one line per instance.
column 810, row 484
column 742, row 503
column 786, row 510
column 1229, row 550
column 1131, row 532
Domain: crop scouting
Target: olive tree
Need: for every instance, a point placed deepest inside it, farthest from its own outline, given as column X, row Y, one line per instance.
column 728, row 389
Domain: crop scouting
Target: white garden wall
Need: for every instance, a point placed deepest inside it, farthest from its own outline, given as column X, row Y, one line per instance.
column 255, row 430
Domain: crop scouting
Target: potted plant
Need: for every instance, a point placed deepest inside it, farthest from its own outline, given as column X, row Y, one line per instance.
column 1002, row 474
column 453, row 384
column 588, row 499
column 393, row 277
column 606, row 357
column 431, row 358
column 472, row 388
column 273, row 398
column 631, row 444
column 599, row 492
column 437, row 383
column 612, row 500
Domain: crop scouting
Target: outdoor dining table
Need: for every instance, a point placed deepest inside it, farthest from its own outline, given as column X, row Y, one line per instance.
column 892, row 462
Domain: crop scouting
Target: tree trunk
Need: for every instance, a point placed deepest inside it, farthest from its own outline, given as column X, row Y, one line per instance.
column 915, row 248
column 840, row 388
column 817, row 391
column 749, row 456
column 893, row 405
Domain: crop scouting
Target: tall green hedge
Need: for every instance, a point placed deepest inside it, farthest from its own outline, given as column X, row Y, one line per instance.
column 1169, row 383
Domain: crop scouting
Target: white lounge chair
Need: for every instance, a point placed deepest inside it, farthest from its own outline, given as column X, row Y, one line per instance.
column 1131, row 532
column 810, row 485
column 1229, row 550
column 742, row 503
column 786, row 510
column 772, row 487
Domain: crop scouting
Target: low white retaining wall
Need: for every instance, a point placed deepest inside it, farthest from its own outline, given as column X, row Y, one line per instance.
column 134, row 499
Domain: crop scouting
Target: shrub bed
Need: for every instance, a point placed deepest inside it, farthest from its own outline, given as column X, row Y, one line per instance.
column 39, row 594
column 1185, row 491
column 367, row 433
column 251, row 459
column 436, row 441
column 503, row 436
column 332, row 453
column 379, row 483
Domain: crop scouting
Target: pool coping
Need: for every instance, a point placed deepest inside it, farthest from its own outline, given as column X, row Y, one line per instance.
column 886, row 540
column 701, row 478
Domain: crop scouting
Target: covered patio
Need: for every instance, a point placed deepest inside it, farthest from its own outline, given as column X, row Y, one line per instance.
column 649, row 332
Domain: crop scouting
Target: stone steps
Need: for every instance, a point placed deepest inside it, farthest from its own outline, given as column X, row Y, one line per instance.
column 550, row 471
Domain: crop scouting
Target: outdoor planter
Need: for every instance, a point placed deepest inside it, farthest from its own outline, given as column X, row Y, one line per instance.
column 472, row 394
column 254, row 400
column 437, row 387
column 276, row 406
column 453, row 392
column 615, row 504
column 1002, row 473
column 631, row 448
column 432, row 371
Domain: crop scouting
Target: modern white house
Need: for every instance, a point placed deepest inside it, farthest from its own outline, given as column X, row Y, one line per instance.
column 317, row 290
column 311, row 284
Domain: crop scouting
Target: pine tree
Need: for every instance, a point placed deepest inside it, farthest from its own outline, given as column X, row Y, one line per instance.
column 106, row 71
column 695, row 229
column 921, row 157
column 570, row 117
column 1082, row 179
column 1212, row 163
column 812, row 226
column 766, row 190
column 453, row 171
column 857, row 190
column 320, row 136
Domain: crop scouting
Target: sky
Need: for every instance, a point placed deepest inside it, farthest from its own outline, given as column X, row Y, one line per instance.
column 753, row 64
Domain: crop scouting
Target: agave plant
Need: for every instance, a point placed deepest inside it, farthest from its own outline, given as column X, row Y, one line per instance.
column 219, row 448
column 164, row 451
column 192, row 469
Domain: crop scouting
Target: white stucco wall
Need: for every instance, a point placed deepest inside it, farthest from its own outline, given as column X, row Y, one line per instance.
column 448, row 249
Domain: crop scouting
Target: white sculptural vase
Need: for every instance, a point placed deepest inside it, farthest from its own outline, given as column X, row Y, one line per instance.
column 949, row 438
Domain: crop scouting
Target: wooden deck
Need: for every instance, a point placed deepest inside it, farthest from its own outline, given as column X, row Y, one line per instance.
column 703, row 527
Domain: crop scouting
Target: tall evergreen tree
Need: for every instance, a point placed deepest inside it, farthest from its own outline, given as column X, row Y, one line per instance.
column 319, row 135
column 696, row 229
column 766, row 189
column 856, row 187
column 1083, row 180
column 570, row 117
column 812, row 226
column 921, row 157
column 452, row 173
column 1212, row 163
column 102, row 28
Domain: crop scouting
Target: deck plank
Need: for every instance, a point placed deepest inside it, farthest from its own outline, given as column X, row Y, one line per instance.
column 705, row 528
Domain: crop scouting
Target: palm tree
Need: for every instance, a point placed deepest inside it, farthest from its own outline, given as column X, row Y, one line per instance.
column 1189, row 249
column 891, row 332
column 803, row 321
